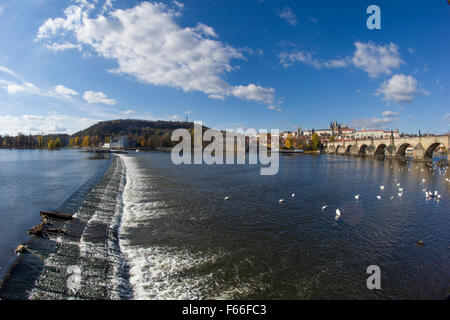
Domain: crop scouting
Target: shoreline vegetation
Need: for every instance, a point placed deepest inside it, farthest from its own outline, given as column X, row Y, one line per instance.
column 140, row 134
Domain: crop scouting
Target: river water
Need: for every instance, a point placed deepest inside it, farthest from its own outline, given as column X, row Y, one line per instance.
column 34, row 180
column 148, row 229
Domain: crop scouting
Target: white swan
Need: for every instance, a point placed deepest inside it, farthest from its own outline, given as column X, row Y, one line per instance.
column 226, row 198
column 293, row 195
column 338, row 212
column 400, row 189
column 357, row 197
column 324, row 207
column 379, row 197
column 281, row 200
column 382, row 187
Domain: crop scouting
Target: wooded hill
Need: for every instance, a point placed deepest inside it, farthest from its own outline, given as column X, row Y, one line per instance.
column 142, row 132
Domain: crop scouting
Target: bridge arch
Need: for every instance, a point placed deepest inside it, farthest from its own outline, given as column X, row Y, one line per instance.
column 380, row 150
column 340, row 149
column 348, row 150
column 431, row 148
column 401, row 150
column 362, row 150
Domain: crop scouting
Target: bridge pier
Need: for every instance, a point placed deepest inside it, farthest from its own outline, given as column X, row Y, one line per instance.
column 354, row 150
column 390, row 152
column 370, row 151
column 331, row 148
column 418, row 152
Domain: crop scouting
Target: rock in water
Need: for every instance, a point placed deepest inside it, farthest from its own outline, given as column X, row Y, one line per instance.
column 21, row 249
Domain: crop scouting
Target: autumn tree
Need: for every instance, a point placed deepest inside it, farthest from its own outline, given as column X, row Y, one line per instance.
column 86, row 141
column 51, row 143
column 57, row 143
column 315, row 141
column 288, row 142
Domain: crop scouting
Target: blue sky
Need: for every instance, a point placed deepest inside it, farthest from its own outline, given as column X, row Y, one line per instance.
column 65, row 65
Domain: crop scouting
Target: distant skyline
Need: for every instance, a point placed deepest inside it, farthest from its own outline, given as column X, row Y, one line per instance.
column 67, row 64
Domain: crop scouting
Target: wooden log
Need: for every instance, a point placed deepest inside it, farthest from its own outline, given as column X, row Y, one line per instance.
column 56, row 215
column 37, row 230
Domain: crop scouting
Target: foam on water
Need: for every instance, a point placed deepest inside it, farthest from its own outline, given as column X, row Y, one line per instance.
column 95, row 252
column 157, row 272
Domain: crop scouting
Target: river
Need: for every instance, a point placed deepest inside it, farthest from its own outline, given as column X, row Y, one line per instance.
column 148, row 229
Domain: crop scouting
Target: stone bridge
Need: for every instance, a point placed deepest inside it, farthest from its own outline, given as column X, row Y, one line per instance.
column 423, row 147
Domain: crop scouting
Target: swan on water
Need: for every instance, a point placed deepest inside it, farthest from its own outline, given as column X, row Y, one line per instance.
column 281, row 200
column 382, row 187
column 226, row 198
column 338, row 212
column 324, row 207
column 400, row 189
column 293, row 195
column 400, row 194
column 357, row 197
column 379, row 197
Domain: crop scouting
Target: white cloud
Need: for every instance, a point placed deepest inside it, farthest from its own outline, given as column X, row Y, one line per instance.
column 289, row 16
column 376, row 59
column 400, row 88
column 389, row 113
column 147, row 43
column 373, row 123
column 289, row 58
column 254, row 92
column 63, row 46
column 174, row 117
column 46, row 124
column 128, row 112
column 411, row 50
column 370, row 57
column 98, row 97
column 187, row 112
column 10, row 72
column 178, row 4
column 28, row 87
column 447, row 117
column 217, row 97
column 64, row 91
column 274, row 108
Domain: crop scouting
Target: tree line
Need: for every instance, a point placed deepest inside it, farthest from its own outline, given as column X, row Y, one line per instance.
column 23, row 141
column 302, row 142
